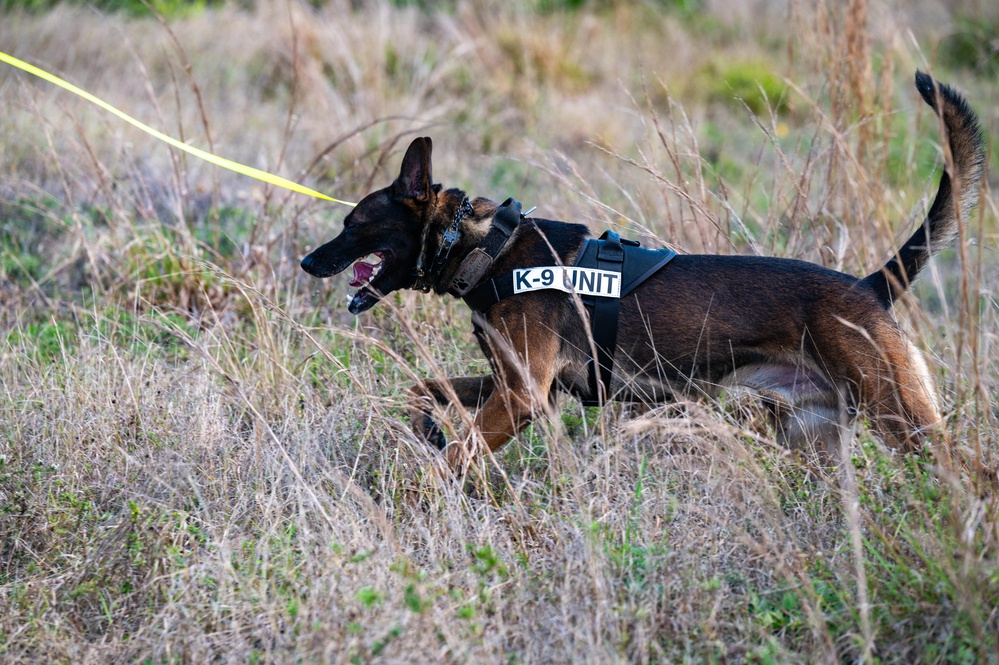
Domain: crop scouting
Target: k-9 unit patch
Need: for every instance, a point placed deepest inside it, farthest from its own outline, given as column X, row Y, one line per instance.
column 584, row 281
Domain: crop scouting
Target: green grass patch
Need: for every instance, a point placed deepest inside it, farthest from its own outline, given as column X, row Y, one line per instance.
column 166, row 8
column 971, row 44
column 752, row 82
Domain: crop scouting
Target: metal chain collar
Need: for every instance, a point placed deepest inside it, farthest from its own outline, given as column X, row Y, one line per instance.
column 425, row 278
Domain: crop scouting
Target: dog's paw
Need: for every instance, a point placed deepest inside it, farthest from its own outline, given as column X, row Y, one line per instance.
column 433, row 433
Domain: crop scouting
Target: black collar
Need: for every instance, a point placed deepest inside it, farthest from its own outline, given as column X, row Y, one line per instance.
column 480, row 259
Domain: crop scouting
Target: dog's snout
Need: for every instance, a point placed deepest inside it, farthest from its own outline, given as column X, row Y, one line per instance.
column 307, row 264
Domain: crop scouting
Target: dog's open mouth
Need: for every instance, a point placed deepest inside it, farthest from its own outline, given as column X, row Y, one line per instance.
column 364, row 271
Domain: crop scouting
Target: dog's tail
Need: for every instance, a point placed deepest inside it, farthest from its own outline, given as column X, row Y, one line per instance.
column 956, row 196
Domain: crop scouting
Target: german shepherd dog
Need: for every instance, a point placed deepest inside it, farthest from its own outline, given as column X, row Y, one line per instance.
column 808, row 340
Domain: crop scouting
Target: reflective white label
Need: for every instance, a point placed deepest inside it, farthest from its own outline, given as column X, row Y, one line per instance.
column 584, row 281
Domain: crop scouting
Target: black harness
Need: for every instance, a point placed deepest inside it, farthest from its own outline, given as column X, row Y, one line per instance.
column 628, row 258
column 636, row 264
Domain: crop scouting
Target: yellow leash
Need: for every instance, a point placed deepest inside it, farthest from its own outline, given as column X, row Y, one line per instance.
column 207, row 156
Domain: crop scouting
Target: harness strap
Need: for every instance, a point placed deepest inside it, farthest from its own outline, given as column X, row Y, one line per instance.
column 487, row 294
column 603, row 321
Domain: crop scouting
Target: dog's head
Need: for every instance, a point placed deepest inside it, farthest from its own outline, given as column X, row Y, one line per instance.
column 387, row 224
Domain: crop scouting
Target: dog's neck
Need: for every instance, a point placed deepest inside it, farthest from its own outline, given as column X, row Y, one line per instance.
column 448, row 219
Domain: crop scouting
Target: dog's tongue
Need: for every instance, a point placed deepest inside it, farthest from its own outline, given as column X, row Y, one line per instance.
column 362, row 273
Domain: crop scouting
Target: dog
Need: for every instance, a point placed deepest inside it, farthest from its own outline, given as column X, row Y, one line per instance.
column 807, row 339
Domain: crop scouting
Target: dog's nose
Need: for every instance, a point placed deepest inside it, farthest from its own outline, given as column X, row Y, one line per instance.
column 307, row 265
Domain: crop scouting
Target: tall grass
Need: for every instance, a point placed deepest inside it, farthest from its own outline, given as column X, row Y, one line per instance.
column 204, row 457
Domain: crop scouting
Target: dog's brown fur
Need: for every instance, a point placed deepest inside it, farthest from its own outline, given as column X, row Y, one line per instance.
column 807, row 340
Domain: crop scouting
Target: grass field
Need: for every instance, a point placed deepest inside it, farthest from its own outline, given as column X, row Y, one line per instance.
column 205, row 458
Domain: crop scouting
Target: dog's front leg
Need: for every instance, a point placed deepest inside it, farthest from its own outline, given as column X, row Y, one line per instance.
column 524, row 366
column 471, row 391
column 504, row 414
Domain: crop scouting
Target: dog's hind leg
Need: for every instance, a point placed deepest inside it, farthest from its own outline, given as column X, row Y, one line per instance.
column 889, row 379
column 802, row 401
column 816, row 424
column 471, row 392
column 897, row 391
column 903, row 405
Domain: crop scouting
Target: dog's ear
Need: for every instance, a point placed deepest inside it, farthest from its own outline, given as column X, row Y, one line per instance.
column 415, row 180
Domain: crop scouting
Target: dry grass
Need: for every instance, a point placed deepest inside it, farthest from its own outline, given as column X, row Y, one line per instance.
column 204, row 458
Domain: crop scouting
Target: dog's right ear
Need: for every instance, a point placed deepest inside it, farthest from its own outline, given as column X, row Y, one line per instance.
column 415, row 180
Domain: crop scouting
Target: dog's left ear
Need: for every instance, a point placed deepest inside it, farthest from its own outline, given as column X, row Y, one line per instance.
column 415, row 180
